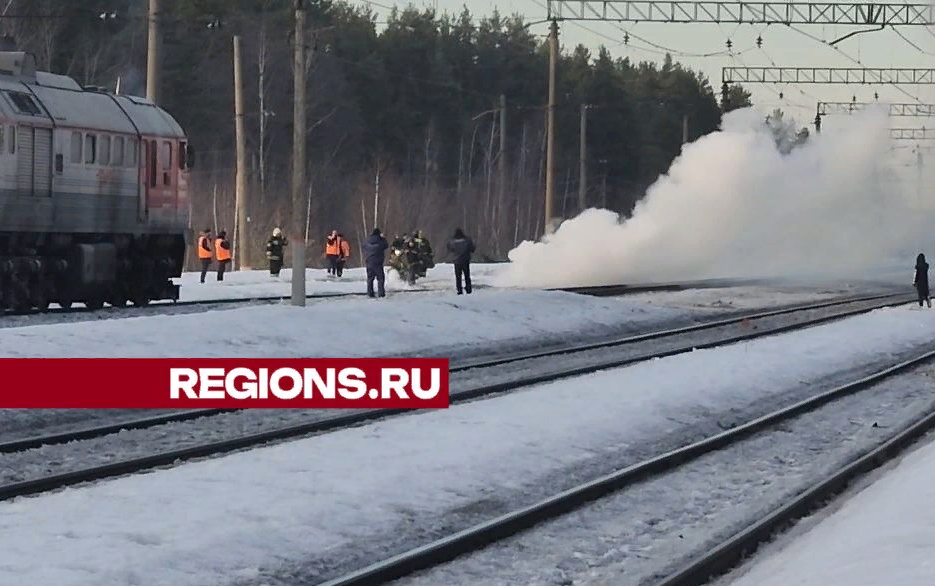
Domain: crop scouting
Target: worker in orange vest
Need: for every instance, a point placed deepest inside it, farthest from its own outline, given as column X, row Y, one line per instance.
column 204, row 252
column 222, row 249
column 333, row 252
column 345, row 253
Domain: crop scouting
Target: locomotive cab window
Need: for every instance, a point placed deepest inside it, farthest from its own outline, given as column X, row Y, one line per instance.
column 12, row 142
column 90, row 149
column 76, row 148
column 182, row 161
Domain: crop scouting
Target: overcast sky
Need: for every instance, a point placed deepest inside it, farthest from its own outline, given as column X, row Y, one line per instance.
column 784, row 46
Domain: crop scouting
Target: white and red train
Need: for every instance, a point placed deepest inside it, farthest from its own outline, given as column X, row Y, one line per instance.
column 93, row 193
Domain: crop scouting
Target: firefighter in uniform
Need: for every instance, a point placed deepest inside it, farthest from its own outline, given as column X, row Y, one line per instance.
column 222, row 250
column 204, row 252
column 275, row 252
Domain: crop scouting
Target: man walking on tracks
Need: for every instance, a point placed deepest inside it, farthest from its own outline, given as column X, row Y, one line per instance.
column 374, row 250
column 462, row 247
column 204, row 252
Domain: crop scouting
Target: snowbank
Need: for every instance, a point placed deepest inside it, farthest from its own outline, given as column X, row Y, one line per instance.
column 883, row 535
column 208, row 522
column 434, row 323
column 339, row 327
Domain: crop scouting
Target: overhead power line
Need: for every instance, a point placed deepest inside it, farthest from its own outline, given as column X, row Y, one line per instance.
column 828, row 75
column 893, row 14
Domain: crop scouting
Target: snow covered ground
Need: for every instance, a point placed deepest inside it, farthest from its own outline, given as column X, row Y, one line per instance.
column 885, row 534
column 259, row 283
column 302, row 508
column 431, row 323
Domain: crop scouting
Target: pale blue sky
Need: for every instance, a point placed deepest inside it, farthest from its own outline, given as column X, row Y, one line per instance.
column 798, row 46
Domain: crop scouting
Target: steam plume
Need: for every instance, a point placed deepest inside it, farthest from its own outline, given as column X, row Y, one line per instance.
column 732, row 205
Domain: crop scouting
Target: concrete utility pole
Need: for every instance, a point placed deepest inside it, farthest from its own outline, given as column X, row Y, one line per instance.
column 298, row 160
column 240, row 242
column 583, row 161
column 921, row 182
column 154, row 54
column 550, row 132
column 502, row 147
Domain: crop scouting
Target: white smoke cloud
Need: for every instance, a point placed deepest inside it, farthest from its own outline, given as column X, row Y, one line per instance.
column 732, row 206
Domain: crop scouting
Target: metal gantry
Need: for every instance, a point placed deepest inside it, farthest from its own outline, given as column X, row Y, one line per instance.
column 895, row 110
column 850, row 13
column 788, row 13
column 912, row 134
column 829, row 75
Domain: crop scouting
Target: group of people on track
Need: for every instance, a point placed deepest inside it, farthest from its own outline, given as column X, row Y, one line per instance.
column 411, row 256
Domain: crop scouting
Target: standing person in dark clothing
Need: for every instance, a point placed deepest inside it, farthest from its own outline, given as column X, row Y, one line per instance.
column 921, row 280
column 204, row 252
column 275, row 252
column 462, row 247
column 222, row 250
column 374, row 251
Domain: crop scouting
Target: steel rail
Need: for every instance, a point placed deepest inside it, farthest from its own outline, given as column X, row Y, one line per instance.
column 147, row 422
column 53, row 482
column 730, row 553
column 509, row 524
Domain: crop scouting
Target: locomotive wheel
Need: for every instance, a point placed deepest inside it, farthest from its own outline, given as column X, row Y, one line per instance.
column 64, row 303
column 141, row 300
column 94, row 304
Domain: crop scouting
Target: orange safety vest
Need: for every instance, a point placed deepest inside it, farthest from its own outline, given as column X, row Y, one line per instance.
column 345, row 249
column 333, row 248
column 202, row 253
column 223, row 253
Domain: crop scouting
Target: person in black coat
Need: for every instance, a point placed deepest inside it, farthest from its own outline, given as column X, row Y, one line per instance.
column 921, row 280
column 461, row 247
column 374, row 250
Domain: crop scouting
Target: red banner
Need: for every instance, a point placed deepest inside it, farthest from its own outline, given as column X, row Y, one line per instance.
column 170, row 383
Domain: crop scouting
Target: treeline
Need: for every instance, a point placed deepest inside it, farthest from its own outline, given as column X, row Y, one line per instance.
column 404, row 126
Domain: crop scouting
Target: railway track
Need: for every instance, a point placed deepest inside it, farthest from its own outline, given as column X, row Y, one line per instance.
column 712, row 563
column 731, row 330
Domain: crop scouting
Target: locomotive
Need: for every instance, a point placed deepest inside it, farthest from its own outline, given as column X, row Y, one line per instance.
column 93, row 193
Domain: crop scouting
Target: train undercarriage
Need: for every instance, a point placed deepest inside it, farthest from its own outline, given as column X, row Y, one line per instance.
column 38, row 269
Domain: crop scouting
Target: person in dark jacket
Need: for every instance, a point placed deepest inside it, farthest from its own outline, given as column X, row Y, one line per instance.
column 921, row 280
column 461, row 247
column 275, row 251
column 374, row 250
